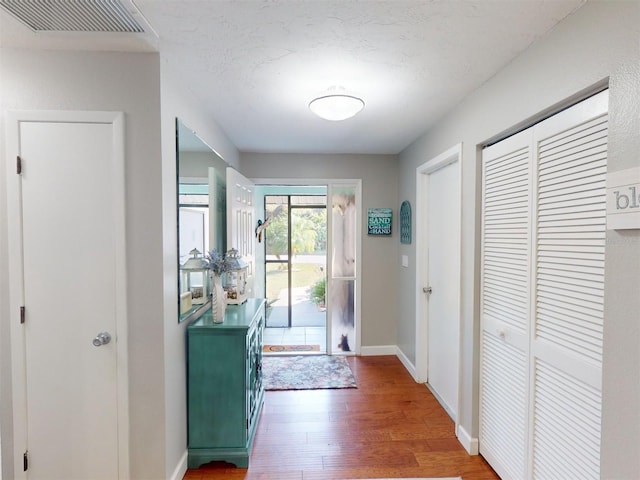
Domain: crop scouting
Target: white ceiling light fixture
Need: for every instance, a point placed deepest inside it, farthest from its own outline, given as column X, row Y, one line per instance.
column 336, row 106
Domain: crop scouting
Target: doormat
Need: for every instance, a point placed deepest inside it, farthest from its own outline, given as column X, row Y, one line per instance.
column 306, row 372
column 290, row 348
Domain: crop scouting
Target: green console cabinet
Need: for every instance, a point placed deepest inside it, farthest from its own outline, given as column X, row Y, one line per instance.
column 224, row 384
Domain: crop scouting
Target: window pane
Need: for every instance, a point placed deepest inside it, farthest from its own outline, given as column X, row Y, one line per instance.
column 277, row 232
column 342, row 315
column 277, row 275
column 308, row 267
column 343, row 263
column 343, row 210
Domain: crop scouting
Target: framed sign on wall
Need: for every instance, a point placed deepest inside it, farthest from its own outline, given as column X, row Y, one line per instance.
column 379, row 221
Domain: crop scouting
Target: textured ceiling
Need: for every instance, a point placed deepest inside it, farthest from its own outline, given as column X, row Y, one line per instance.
column 256, row 65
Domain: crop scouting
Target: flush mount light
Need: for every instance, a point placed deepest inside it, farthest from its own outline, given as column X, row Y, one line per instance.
column 336, row 107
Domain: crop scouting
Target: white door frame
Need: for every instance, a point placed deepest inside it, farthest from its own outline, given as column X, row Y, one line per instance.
column 452, row 155
column 13, row 119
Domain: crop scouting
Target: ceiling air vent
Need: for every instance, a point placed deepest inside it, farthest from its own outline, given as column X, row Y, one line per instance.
column 73, row 16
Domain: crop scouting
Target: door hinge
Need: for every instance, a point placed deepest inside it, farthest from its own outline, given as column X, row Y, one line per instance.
column 18, row 165
column 25, row 461
column 22, row 314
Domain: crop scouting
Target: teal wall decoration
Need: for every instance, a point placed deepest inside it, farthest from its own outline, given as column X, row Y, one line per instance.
column 405, row 222
column 379, row 221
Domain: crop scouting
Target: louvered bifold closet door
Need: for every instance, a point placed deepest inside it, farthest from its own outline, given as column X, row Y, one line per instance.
column 542, row 296
column 569, row 293
column 505, row 304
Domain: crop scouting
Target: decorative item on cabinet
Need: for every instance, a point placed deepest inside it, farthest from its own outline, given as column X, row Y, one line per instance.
column 218, row 299
column 235, row 278
column 224, row 384
column 195, row 281
column 218, row 265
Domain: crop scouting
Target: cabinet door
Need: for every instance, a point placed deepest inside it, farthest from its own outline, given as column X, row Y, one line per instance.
column 254, row 372
column 216, row 389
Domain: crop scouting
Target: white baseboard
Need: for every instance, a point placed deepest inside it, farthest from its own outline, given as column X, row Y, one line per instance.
column 443, row 404
column 378, row 350
column 469, row 443
column 181, row 468
column 411, row 368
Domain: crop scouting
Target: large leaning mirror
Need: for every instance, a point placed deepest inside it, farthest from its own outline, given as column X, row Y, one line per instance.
column 201, row 207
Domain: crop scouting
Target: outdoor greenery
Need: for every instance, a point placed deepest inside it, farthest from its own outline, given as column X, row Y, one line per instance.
column 304, row 275
column 318, row 291
column 308, row 235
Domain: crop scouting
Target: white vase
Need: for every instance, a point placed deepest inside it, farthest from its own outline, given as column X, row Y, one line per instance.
column 218, row 299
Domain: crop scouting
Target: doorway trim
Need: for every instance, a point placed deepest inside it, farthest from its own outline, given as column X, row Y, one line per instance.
column 291, row 207
column 328, row 182
column 13, row 119
column 448, row 157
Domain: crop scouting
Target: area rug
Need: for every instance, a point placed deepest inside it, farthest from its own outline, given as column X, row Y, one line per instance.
column 290, row 348
column 309, row 372
column 422, row 478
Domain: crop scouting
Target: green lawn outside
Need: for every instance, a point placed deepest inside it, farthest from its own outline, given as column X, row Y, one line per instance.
column 303, row 275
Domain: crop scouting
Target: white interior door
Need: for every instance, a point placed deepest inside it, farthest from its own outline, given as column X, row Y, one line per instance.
column 241, row 220
column 443, row 289
column 69, row 231
column 438, row 231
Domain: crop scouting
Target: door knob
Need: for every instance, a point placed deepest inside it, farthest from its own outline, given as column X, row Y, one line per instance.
column 101, row 339
column 427, row 290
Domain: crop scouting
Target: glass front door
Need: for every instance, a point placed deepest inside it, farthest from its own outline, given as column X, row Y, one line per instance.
column 295, row 261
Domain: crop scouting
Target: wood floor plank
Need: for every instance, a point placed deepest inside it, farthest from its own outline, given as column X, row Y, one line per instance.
column 389, row 426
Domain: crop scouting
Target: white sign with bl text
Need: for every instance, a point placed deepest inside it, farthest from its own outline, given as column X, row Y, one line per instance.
column 623, row 199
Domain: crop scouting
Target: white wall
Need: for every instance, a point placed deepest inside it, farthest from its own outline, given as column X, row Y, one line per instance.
column 177, row 102
column 130, row 83
column 379, row 174
column 601, row 40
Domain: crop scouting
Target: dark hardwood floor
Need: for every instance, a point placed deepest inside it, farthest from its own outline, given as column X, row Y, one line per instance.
column 389, row 426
